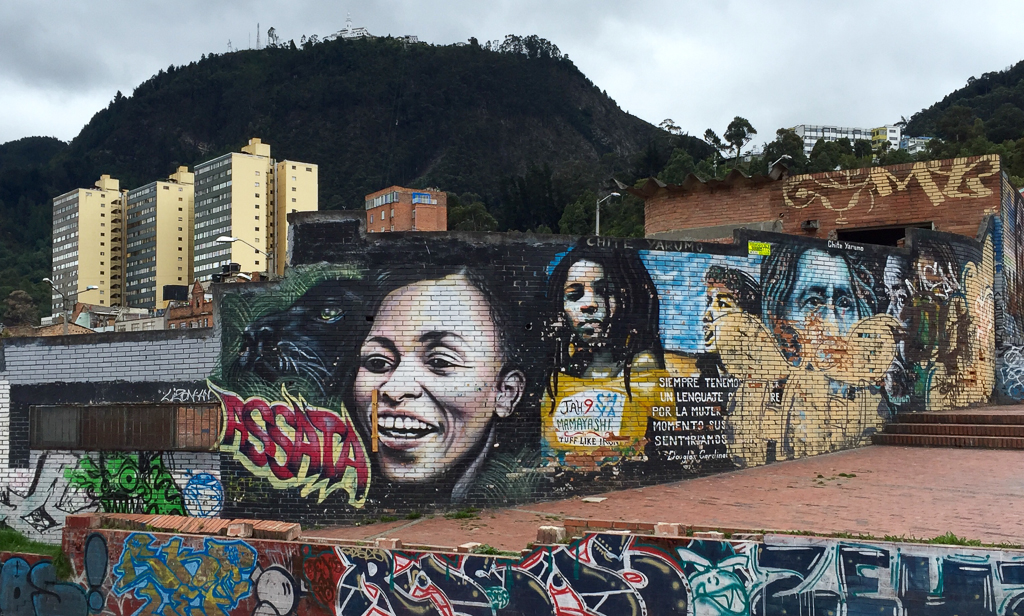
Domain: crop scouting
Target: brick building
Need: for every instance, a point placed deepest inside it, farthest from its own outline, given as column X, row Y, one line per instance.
column 196, row 312
column 875, row 205
column 406, row 209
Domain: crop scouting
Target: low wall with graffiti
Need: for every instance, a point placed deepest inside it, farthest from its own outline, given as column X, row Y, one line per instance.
column 125, row 573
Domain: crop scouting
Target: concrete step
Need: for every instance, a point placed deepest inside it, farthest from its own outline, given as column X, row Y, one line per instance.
column 954, row 429
column 930, row 440
column 978, row 417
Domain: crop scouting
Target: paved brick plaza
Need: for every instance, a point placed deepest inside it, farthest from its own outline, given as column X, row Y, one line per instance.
column 912, row 491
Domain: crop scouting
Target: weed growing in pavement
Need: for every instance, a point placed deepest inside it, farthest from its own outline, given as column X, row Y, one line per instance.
column 492, row 551
column 413, row 515
column 469, row 513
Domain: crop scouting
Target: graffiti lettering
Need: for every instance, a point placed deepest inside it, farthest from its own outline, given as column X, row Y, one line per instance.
column 963, row 180
column 189, row 396
column 35, row 591
column 212, row 579
column 295, row 445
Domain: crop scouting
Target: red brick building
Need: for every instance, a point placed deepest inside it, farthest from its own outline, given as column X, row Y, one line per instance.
column 197, row 312
column 406, row 209
column 874, row 205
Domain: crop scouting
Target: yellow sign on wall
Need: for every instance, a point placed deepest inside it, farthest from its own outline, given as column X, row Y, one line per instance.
column 759, row 248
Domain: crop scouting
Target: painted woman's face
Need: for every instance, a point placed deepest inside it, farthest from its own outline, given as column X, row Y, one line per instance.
column 589, row 302
column 719, row 301
column 434, row 355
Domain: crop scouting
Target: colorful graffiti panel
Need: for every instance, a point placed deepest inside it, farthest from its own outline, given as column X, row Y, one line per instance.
column 599, row 575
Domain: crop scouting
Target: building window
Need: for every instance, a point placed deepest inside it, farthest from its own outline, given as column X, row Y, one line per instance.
column 126, row 427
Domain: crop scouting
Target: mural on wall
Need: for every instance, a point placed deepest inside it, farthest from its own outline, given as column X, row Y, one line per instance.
column 1009, row 256
column 493, row 374
column 599, row 575
column 938, row 179
column 36, row 500
column 128, row 483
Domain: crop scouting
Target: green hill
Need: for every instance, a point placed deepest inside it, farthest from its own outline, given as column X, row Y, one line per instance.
column 516, row 127
column 996, row 98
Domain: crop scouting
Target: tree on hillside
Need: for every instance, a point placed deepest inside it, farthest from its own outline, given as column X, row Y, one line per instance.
column 1006, row 124
column 578, row 216
column 738, row 134
column 679, row 165
column 20, row 309
column 468, row 213
column 786, row 144
column 957, row 124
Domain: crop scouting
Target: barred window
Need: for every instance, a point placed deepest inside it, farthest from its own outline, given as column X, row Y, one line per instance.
column 150, row 427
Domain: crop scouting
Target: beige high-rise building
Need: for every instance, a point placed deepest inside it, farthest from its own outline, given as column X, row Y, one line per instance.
column 247, row 196
column 158, row 239
column 87, row 245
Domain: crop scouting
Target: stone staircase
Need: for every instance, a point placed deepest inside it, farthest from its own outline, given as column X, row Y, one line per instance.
column 988, row 428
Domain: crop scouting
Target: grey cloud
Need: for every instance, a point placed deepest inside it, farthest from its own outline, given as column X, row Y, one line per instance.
column 778, row 64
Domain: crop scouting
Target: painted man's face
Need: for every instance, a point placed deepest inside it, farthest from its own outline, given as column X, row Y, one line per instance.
column 823, row 297
column 438, row 372
column 719, row 302
column 589, row 302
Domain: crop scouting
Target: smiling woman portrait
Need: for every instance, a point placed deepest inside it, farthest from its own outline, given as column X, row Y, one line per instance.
column 444, row 376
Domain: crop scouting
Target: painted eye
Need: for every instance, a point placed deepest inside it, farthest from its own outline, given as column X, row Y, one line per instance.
column 331, row 315
column 439, row 363
column 377, row 364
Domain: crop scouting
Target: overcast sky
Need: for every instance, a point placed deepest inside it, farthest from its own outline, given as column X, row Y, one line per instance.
column 846, row 62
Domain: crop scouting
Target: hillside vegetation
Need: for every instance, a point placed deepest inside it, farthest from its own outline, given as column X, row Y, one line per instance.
column 514, row 129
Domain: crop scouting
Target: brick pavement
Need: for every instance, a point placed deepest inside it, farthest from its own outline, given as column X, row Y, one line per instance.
column 911, row 491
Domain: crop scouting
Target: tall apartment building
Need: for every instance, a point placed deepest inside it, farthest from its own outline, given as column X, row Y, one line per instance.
column 248, row 196
column 810, row 134
column 406, row 209
column 158, row 239
column 87, row 245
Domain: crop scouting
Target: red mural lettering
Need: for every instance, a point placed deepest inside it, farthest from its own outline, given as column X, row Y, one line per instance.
column 295, row 445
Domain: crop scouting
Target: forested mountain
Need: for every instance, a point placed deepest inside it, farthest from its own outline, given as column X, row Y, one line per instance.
column 996, row 98
column 514, row 128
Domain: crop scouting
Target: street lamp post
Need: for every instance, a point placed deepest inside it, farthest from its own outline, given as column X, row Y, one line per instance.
column 227, row 239
column 597, row 220
column 64, row 301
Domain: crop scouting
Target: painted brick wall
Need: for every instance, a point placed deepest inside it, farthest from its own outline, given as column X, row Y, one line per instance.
column 512, row 368
column 40, row 487
column 955, row 195
column 124, row 573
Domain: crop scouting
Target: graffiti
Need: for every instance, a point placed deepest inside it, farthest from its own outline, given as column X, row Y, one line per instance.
column 128, row 483
column 188, row 396
column 276, row 591
column 939, row 180
column 34, row 591
column 604, row 575
column 209, row 580
column 36, row 500
column 294, row 445
column 95, row 558
column 203, row 496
